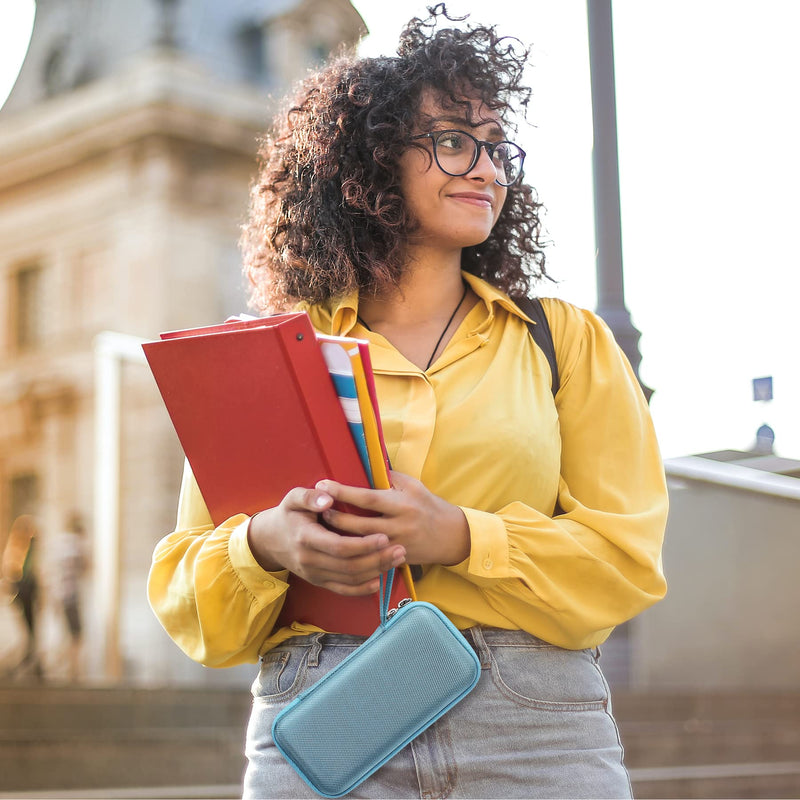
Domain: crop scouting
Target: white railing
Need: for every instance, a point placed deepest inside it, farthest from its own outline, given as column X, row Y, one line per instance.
column 735, row 476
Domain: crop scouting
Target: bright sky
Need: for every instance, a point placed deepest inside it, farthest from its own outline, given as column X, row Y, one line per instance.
column 708, row 131
column 16, row 22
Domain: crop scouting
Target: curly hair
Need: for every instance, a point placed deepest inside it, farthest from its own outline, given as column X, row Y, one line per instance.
column 327, row 215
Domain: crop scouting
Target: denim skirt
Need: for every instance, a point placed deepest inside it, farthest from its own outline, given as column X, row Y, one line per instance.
column 537, row 725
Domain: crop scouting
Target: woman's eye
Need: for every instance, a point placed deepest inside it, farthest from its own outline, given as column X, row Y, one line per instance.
column 451, row 141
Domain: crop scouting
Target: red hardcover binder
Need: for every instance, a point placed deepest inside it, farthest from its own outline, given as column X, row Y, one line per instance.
column 257, row 414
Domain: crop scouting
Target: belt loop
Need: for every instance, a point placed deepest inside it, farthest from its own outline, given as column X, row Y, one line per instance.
column 481, row 648
column 314, row 649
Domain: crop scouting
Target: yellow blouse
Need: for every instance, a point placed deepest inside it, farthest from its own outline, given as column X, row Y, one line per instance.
column 480, row 429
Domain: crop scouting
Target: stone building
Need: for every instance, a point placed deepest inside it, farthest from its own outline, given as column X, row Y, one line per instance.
column 126, row 150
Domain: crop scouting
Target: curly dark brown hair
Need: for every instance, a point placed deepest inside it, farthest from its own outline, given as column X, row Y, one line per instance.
column 327, row 214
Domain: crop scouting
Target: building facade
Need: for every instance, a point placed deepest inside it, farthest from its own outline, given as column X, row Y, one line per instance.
column 126, row 150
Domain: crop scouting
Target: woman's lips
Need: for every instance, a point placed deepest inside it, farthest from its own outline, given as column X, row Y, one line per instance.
column 474, row 198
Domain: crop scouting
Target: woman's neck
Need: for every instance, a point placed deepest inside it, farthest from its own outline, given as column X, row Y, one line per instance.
column 431, row 284
column 421, row 316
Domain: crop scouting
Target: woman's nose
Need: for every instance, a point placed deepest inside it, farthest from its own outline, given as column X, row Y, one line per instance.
column 484, row 168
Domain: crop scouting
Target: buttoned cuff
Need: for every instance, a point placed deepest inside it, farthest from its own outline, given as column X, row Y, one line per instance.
column 250, row 572
column 488, row 558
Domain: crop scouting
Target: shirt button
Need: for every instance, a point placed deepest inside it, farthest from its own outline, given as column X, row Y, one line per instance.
column 488, row 564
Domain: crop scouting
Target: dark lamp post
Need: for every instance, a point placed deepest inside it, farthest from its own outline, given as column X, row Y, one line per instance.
column 605, row 164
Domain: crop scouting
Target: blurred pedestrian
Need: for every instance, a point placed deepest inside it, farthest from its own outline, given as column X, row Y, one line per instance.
column 69, row 561
column 19, row 568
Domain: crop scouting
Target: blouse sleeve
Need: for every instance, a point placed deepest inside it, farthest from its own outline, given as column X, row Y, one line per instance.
column 597, row 563
column 209, row 593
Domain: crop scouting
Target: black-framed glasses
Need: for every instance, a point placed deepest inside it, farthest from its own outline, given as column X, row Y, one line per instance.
column 457, row 152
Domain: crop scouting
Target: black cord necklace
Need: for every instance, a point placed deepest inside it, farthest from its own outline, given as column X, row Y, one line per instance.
column 446, row 327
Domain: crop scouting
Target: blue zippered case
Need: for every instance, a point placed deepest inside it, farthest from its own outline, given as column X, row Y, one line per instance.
column 409, row 673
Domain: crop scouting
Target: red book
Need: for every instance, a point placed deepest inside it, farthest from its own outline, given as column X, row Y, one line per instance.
column 257, row 414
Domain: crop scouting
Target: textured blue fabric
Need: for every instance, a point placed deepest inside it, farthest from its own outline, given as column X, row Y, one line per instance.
column 409, row 673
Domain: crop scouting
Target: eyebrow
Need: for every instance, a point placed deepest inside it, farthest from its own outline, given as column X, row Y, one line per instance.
column 459, row 120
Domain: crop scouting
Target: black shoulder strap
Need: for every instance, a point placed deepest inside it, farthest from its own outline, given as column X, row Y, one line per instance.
column 542, row 335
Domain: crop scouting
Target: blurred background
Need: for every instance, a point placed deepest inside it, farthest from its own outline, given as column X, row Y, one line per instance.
column 127, row 144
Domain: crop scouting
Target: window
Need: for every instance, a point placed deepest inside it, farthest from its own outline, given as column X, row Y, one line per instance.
column 24, row 495
column 26, row 307
column 318, row 52
column 251, row 51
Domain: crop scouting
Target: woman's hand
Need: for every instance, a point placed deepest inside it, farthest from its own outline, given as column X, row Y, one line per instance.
column 431, row 530
column 291, row 537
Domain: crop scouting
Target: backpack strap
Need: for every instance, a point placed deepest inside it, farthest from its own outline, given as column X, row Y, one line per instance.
column 541, row 334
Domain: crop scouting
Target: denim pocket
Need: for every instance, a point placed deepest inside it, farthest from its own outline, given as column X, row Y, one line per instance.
column 282, row 675
column 549, row 678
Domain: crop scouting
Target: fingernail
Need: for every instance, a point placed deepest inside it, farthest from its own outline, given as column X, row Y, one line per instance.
column 322, row 501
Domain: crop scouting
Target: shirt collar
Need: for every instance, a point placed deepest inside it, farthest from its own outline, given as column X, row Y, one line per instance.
column 492, row 296
column 339, row 316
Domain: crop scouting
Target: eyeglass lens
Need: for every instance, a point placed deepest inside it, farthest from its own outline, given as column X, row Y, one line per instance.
column 457, row 153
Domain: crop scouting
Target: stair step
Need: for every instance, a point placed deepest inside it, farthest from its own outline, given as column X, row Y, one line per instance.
column 659, row 744
column 226, row 791
column 663, row 706
column 42, row 736
column 81, row 763
column 56, row 708
column 752, row 780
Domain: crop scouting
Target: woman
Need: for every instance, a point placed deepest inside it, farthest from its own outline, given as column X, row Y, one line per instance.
column 389, row 205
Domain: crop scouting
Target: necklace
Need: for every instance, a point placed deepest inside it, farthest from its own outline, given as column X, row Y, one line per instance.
column 446, row 327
